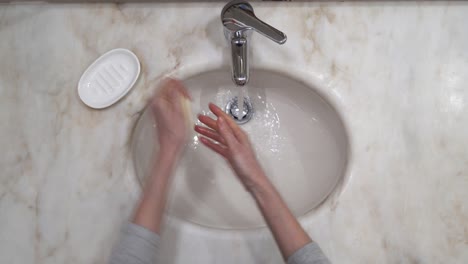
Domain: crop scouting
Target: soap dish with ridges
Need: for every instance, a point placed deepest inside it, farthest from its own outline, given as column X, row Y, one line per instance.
column 109, row 78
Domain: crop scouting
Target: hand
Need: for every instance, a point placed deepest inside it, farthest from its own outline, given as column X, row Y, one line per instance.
column 226, row 138
column 169, row 115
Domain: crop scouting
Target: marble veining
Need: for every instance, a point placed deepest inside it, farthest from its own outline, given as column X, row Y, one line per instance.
column 397, row 73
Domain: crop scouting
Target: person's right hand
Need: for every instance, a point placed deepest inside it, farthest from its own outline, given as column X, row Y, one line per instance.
column 169, row 115
column 226, row 138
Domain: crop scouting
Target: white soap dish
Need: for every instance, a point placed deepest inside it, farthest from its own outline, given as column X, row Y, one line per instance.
column 109, row 78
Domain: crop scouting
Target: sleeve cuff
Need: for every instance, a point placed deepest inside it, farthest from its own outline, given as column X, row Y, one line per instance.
column 137, row 245
column 308, row 254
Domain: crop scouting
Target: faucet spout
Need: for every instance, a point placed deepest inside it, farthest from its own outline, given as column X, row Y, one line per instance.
column 240, row 66
column 238, row 20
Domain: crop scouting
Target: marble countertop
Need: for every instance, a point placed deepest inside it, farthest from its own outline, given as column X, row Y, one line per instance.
column 397, row 72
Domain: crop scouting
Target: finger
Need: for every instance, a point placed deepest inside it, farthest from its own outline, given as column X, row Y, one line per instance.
column 168, row 85
column 164, row 88
column 183, row 90
column 211, row 134
column 180, row 87
column 220, row 113
column 216, row 110
column 208, row 121
column 221, row 150
column 229, row 121
column 175, row 100
column 226, row 132
column 168, row 95
column 174, row 94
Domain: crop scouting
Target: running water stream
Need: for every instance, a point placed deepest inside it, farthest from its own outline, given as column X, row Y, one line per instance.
column 240, row 101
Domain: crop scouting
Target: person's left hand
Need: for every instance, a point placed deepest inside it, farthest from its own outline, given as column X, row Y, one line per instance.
column 227, row 139
column 169, row 115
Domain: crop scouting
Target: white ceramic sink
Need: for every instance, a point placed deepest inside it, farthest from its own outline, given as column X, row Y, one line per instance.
column 299, row 138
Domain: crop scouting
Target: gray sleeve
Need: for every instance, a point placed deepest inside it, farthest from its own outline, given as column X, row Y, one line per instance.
column 137, row 245
column 308, row 254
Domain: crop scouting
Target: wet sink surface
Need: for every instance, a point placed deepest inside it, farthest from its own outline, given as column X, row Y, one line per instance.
column 299, row 139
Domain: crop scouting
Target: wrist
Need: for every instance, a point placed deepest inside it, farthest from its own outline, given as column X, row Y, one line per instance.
column 165, row 162
column 260, row 185
column 266, row 194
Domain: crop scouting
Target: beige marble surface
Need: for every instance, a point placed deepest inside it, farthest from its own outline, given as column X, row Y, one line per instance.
column 397, row 72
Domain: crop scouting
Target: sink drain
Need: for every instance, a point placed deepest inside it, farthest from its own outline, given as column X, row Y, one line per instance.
column 232, row 109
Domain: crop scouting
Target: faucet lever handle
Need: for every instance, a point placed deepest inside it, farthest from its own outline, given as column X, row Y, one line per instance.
column 238, row 16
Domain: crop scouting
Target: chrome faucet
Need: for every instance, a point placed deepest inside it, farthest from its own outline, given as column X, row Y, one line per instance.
column 239, row 20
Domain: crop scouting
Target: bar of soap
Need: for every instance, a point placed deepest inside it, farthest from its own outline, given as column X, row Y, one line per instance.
column 187, row 109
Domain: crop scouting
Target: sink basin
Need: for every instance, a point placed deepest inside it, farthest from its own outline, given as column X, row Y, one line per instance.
column 299, row 139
